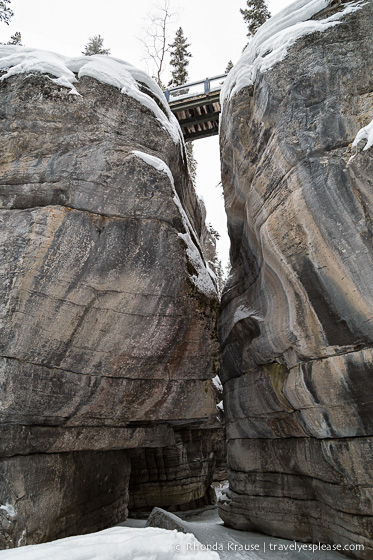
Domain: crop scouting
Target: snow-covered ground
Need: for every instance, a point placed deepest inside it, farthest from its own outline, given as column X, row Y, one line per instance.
column 205, row 538
column 230, row 544
column 208, row 528
column 118, row 543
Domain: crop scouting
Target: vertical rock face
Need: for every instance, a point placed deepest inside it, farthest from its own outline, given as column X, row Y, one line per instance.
column 296, row 327
column 108, row 313
column 180, row 471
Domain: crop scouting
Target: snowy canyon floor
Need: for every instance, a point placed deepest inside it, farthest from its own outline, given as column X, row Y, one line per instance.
column 230, row 544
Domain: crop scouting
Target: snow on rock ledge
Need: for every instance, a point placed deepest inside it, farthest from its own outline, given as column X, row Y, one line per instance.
column 365, row 133
column 204, row 279
column 106, row 69
column 273, row 39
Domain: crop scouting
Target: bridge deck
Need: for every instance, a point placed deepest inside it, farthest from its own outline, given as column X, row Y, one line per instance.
column 197, row 113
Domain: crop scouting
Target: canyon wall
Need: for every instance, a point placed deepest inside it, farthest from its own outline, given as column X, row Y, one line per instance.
column 296, row 325
column 108, row 313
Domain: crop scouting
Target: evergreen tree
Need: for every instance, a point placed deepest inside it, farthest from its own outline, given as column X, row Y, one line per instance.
column 255, row 15
column 211, row 256
column 6, row 13
column 95, row 45
column 15, row 39
column 179, row 62
column 220, row 280
column 179, row 59
column 192, row 162
column 229, row 67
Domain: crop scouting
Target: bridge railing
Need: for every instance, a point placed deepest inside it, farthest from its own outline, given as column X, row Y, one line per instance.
column 202, row 87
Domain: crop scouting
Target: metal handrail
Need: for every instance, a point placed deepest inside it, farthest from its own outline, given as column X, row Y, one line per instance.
column 206, row 82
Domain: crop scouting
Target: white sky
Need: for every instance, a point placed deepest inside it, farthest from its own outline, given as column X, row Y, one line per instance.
column 214, row 28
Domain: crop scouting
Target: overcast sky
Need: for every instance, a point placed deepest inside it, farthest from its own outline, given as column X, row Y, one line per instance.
column 214, row 28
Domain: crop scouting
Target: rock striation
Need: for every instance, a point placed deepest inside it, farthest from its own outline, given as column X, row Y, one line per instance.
column 108, row 313
column 182, row 470
column 296, row 325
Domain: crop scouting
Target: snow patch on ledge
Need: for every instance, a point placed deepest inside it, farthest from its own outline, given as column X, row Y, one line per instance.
column 220, row 406
column 271, row 42
column 119, row 542
column 217, row 383
column 155, row 162
column 205, row 278
column 105, row 69
column 365, row 133
column 243, row 312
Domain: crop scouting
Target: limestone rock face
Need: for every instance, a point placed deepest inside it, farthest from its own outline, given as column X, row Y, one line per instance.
column 178, row 477
column 107, row 335
column 59, row 494
column 296, row 327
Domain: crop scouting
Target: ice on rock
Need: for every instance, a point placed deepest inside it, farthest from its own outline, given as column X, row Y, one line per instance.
column 106, row 69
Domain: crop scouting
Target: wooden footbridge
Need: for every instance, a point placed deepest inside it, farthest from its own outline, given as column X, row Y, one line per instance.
column 197, row 107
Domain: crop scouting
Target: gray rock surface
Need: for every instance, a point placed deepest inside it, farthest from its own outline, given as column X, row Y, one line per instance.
column 176, row 477
column 165, row 520
column 59, row 494
column 106, row 342
column 296, row 326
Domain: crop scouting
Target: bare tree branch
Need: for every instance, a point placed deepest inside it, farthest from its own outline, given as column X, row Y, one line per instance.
column 156, row 38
